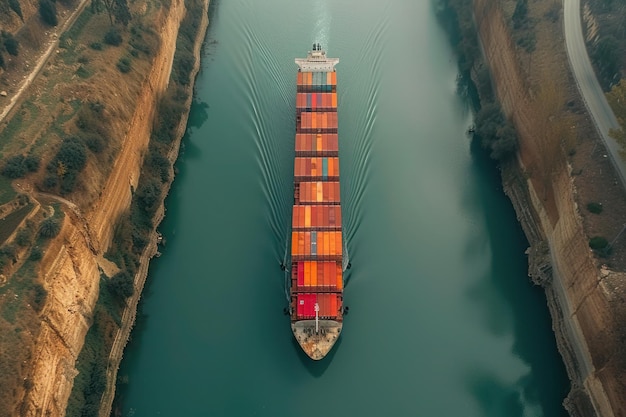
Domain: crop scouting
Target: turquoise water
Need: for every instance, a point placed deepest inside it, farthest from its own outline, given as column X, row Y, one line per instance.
column 443, row 320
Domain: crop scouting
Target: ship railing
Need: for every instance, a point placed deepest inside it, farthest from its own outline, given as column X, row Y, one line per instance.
column 307, row 178
column 317, row 228
column 316, row 130
column 298, row 202
column 317, row 154
column 310, row 257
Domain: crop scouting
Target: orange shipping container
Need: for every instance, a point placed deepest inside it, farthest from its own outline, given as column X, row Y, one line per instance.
column 339, row 277
column 294, row 244
column 299, row 78
column 307, row 216
column 314, row 272
column 307, row 243
column 339, row 243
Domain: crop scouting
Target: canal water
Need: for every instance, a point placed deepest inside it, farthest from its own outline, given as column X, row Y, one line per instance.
column 443, row 320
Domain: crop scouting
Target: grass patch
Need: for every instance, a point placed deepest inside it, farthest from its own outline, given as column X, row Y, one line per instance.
column 10, row 222
column 82, row 72
column 8, row 133
column 7, row 193
column 78, row 26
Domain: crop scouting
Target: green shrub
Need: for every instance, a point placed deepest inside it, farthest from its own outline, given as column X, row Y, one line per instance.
column 50, row 182
column 39, row 295
column 15, row 6
column 595, row 208
column 10, row 43
column 14, row 167
column 122, row 285
column 97, row 46
column 124, row 65
column 94, row 142
column 82, row 72
column 48, row 12
column 23, row 237
column 598, row 243
column 19, row 165
column 35, row 254
column 31, row 163
column 49, row 228
column 72, row 154
column 495, row 132
column 113, row 37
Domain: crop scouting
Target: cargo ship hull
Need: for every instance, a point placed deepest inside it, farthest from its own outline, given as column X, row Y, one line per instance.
column 316, row 292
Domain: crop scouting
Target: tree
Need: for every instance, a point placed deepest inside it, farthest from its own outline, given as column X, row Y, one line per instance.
column 607, row 58
column 49, row 228
column 122, row 285
column 10, row 43
column 495, row 133
column 14, row 167
column 117, row 10
column 72, row 154
column 15, row 6
column 520, row 15
column 18, row 165
column 48, row 12
column 617, row 100
column 113, row 37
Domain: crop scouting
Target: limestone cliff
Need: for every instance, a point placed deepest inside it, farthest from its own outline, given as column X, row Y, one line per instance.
column 581, row 296
column 70, row 267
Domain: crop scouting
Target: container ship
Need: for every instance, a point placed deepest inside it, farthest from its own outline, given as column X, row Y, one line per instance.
column 316, row 290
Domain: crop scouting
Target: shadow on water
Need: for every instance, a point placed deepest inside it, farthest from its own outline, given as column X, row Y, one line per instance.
column 514, row 305
column 316, row 368
column 198, row 114
column 495, row 397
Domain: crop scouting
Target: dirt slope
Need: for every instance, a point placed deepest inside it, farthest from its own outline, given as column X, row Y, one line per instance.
column 70, row 267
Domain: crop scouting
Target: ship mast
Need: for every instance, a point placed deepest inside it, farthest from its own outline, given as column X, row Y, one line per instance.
column 317, row 318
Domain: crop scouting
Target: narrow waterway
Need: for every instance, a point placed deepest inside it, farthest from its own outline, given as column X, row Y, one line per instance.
column 443, row 320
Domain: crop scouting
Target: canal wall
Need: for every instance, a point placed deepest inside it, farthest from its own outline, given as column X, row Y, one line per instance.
column 70, row 269
column 580, row 293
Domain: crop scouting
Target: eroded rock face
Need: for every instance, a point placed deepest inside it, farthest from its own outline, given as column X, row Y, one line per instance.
column 582, row 300
column 69, row 269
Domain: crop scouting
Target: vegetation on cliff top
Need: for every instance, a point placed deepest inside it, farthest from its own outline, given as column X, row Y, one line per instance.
column 492, row 129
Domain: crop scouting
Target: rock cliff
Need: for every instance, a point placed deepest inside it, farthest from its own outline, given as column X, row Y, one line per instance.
column 70, row 267
column 582, row 297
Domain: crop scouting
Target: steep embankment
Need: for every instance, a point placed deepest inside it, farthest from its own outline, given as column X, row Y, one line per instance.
column 70, row 268
column 581, row 298
column 129, row 315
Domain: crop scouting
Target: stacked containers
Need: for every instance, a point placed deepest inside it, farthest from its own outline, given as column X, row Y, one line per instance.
column 316, row 241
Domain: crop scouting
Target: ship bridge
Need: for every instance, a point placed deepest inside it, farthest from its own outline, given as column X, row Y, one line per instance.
column 316, row 61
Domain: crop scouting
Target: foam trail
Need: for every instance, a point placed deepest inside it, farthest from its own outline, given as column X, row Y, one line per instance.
column 322, row 24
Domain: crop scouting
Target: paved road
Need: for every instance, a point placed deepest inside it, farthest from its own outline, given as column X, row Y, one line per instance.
column 588, row 85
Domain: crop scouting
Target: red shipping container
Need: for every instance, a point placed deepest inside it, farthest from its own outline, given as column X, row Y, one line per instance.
column 300, row 274
column 300, row 306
